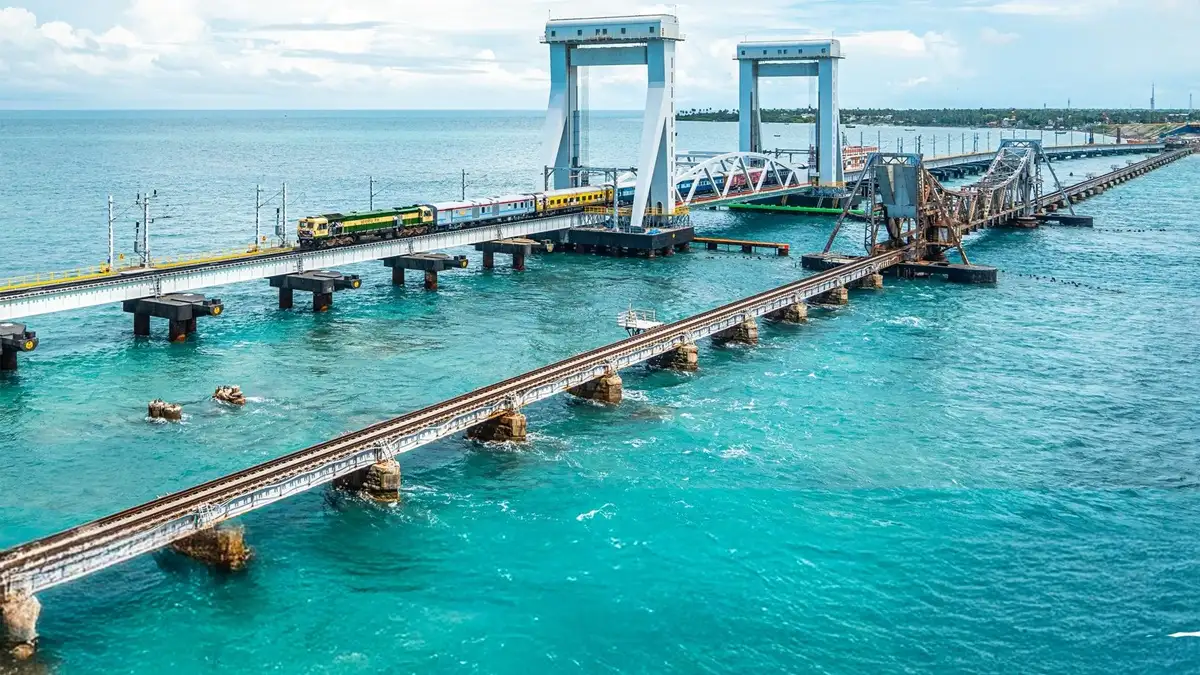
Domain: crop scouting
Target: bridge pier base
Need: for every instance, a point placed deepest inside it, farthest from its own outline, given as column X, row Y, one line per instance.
column 605, row 389
column 509, row 427
column 797, row 313
column 321, row 283
column 380, row 481
column 19, row 613
column 519, row 248
column 836, row 296
column 180, row 309
column 222, row 547
column 871, row 281
column 745, row 332
column 684, row 357
column 14, row 338
column 430, row 263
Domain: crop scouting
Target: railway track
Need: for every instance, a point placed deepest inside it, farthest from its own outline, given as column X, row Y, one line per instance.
column 77, row 541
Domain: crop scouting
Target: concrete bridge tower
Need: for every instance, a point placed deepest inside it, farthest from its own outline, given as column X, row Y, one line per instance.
column 615, row 41
column 793, row 58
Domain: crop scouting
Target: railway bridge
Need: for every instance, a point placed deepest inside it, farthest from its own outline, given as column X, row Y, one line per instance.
column 914, row 222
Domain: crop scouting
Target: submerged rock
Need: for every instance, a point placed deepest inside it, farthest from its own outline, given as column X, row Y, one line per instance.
column 231, row 394
column 161, row 410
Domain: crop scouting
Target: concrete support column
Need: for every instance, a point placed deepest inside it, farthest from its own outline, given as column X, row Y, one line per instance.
column 322, row 301
column 837, row 296
column 223, row 547
column 489, row 260
column 745, row 332
column 19, row 613
column 177, row 331
column 873, row 281
column 430, row 280
column 286, row 297
column 8, row 359
column 509, row 427
column 684, row 357
column 797, row 313
column 397, row 276
column 141, row 325
column 605, row 389
column 519, row 262
column 380, row 481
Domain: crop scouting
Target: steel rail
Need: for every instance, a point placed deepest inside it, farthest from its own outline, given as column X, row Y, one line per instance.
column 182, row 503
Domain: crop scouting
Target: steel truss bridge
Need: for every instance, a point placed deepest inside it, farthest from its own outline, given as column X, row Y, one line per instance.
column 909, row 208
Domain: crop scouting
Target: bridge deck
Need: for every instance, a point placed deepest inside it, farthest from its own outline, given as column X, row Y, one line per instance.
column 99, row 544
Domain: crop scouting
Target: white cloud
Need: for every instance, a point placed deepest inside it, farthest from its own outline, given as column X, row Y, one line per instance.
column 992, row 36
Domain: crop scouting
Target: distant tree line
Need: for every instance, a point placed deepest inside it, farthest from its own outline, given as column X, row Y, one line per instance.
column 1041, row 118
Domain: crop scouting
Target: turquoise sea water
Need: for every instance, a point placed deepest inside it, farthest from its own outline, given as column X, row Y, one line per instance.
column 936, row 478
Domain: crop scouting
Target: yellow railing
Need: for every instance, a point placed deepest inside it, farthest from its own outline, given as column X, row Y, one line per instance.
column 50, row 278
column 212, row 257
column 680, row 210
column 104, row 270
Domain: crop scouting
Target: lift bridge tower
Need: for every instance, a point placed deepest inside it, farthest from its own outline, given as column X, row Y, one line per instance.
column 647, row 40
column 793, row 58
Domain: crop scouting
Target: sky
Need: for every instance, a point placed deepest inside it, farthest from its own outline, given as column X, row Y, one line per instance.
column 486, row 54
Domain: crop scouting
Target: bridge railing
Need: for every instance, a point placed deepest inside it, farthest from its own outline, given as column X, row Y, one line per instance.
column 51, row 278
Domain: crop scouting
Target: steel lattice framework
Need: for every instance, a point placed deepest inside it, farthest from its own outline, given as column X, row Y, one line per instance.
column 906, row 205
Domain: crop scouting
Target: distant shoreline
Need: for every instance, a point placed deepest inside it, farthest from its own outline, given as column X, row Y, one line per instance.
column 1058, row 119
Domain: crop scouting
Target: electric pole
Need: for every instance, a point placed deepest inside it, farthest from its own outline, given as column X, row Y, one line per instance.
column 257, row 208
column 284, row 217
column 464, row 185
column 144, row 198
column 371, row 192
column 111, row 219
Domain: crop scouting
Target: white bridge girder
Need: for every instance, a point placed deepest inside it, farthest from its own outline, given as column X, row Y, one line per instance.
column 737, row 175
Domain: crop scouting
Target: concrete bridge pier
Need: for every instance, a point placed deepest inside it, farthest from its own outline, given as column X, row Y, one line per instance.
column 430, row 263
column 745, row 332
column 380, row 481
column 223, row 547
column 179, row 309
column 519, row 249
column 13, row 339
column 321, row 283
column 605, row 389
column 508, row 427
column 684, row 357
column 794, row 313
column 19, row 613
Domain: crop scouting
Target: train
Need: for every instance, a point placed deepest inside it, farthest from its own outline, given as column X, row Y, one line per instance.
column 340, row 229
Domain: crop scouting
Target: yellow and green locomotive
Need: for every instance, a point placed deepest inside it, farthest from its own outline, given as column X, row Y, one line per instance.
column 335, row 229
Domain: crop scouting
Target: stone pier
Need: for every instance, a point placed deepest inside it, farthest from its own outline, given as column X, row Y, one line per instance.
column 605, row 389
column 519, row 248
column 871, row 281
column 500, row 429
column 683, row 357
column 837, row 296
column 797, row 313
column 19, row 613
column 745, row 332
column 380, row 481
column 223, row 547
